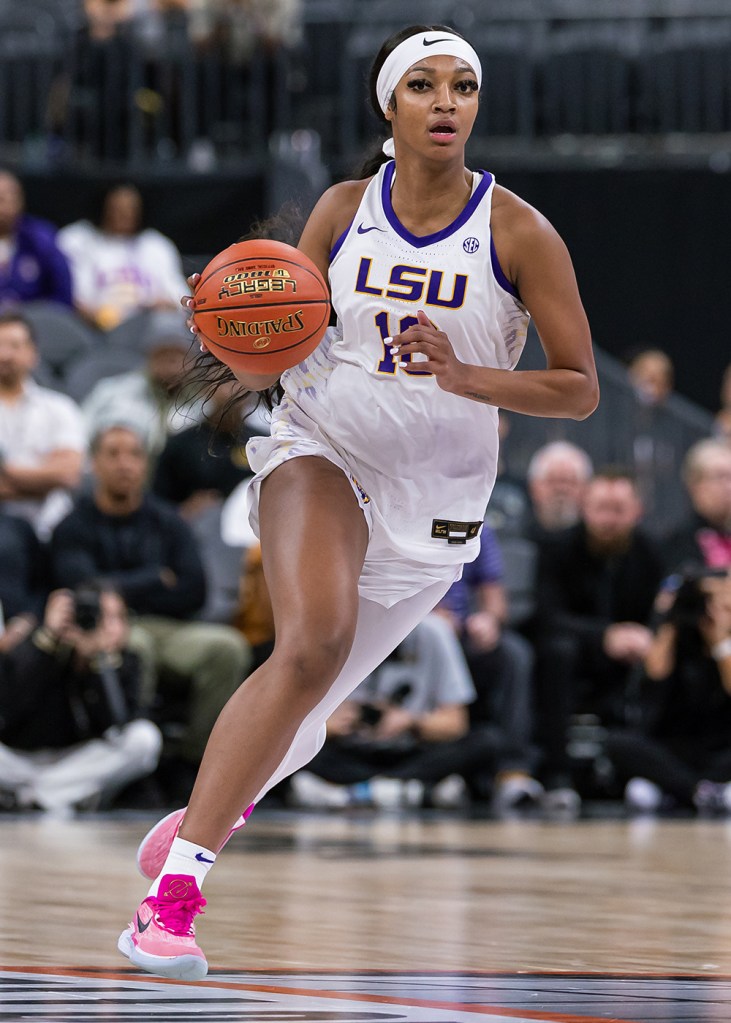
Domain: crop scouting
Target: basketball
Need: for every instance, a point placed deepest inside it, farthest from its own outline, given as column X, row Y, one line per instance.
column 261, row 306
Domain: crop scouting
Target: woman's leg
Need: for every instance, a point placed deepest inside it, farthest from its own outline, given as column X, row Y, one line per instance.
column 378, row 632
column 314, row 539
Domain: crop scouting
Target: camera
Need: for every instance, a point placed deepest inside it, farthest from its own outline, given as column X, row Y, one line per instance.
column 87, row 608
column 691, row 600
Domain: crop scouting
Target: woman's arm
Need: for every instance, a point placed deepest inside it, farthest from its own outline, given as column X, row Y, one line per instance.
column 535, row 259
column 331, row 216
column 660, row 658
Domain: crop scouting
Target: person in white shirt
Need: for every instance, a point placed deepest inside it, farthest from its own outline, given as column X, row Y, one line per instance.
column 152, row 398
column 119, row 267
column 42, row 434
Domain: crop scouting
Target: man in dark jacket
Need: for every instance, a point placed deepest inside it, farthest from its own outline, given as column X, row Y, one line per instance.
column 141, row 546
column 597, row 582
column 22, row 578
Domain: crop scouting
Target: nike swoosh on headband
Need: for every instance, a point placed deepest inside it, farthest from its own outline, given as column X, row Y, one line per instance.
column 433, row 42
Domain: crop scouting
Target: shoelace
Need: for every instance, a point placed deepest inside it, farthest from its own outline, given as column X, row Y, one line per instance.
column 177, row 917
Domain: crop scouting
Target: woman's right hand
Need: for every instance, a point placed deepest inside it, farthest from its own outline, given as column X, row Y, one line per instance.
column 251, row 381
column 187, row 303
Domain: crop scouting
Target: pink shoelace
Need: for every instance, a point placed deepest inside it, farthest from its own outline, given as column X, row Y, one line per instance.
column 177, row 916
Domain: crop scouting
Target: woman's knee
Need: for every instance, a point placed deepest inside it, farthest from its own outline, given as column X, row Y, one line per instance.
column 312, row 659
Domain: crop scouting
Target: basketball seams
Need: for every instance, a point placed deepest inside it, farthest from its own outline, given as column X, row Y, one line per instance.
column 259, row 305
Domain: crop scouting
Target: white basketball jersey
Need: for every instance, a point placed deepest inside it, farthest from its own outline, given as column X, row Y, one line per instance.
column 425, row 457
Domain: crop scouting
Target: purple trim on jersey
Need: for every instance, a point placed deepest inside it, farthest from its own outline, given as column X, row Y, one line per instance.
column 438, row 236
column 499, row 275
column 339, row 243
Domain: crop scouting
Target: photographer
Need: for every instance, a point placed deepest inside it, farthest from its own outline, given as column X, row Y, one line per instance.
column 70, row 735
column 682, row 754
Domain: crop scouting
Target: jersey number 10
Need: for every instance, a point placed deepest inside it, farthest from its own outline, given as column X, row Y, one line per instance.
column 388, row 363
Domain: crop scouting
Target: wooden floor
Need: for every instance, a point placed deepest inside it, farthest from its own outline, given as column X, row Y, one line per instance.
column 314, row 896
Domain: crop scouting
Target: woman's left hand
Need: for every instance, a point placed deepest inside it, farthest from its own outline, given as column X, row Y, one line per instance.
column 424, row 338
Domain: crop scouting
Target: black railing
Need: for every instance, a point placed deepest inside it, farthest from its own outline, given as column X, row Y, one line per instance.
column 555, row 70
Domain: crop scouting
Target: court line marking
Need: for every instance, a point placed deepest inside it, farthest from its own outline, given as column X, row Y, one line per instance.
column 416, row 1003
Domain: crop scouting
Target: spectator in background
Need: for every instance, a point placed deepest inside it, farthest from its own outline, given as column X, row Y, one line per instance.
column 153, row 398
column 31, row 264
column 557, row 477
column 71, row 732
column 256, row 39
column 90, row 100
column 722, row 423
column 652, row 375
column 655, row 428
column 595, row 591
column 241, row 28
column 200, row 466
column 22, row 575
column 119, row 266
column 705, row 536
column 404, row 735
column 501, row 665
column 141, row 546
column 254, row 616
column 682, row 755
column 105, row 18
column 42, row 435
column 507, row 509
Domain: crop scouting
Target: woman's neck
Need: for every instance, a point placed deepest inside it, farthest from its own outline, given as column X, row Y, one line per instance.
column 425, row 201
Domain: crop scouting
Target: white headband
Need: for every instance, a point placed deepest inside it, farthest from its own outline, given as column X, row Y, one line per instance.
column 413, row 50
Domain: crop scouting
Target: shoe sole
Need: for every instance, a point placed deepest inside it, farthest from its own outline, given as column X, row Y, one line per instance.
column 154, row 848
column 187, row 967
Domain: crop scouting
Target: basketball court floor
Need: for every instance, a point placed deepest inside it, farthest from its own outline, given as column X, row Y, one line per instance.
column 365, row 918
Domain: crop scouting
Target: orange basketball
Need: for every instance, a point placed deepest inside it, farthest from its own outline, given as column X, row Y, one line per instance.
column 261, row 306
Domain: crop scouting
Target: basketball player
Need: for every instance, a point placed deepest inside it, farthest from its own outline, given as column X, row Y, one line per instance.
column 370, row 492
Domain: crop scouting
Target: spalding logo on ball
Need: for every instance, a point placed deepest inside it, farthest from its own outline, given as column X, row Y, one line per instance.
column 261, row 306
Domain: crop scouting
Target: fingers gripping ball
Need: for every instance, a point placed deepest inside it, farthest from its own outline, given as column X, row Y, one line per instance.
column 261, row 306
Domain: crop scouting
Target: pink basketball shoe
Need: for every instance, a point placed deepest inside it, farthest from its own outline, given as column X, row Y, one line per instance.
column 161, row 937
column 154, row 848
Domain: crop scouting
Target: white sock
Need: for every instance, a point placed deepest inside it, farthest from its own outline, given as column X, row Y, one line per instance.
column 185, row 858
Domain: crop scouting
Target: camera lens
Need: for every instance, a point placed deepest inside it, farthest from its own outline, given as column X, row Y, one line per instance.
column 87, row 608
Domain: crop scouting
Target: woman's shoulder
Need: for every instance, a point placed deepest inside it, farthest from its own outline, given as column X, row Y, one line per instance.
column 344, row 197
column 520, row 232
column 331, row 216
column 511, row 213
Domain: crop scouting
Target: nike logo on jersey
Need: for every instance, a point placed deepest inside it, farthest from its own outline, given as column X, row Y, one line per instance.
column 365, row 230
column 203, row 859
column 433, row 42
column 142, row 927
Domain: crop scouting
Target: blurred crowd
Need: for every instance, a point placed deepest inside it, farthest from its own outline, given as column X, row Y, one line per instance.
column 585, row 654
column 239, row 25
